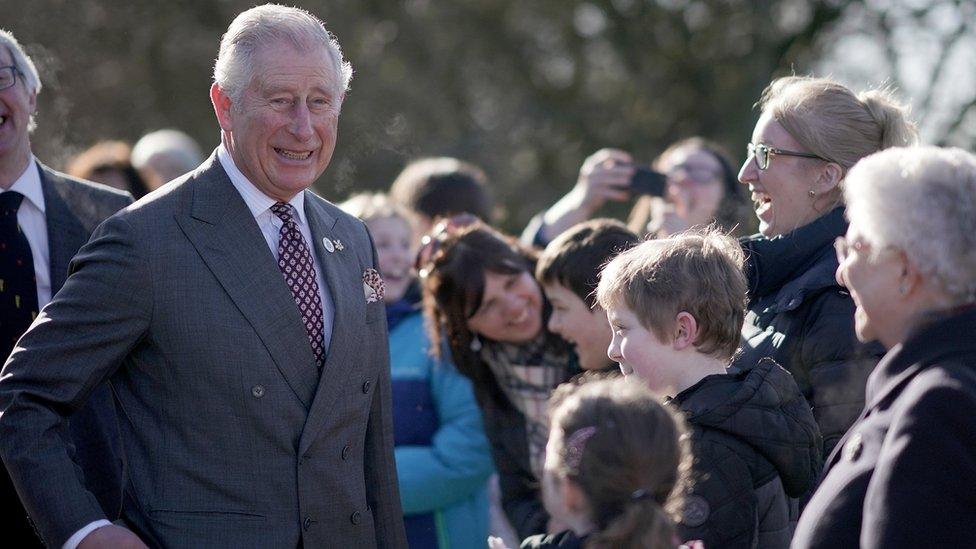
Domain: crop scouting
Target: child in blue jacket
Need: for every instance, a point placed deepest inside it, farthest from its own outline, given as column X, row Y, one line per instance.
column 442, row 456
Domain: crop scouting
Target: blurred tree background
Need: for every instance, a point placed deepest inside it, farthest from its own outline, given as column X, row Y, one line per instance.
column 526, row 89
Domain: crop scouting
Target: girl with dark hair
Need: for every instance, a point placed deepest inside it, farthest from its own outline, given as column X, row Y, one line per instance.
column 484, row 305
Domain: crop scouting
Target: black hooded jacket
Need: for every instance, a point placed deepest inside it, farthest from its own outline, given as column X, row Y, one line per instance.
column 799, row 316
column 755, row 445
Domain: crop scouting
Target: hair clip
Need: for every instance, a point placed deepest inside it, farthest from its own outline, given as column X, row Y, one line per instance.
column 575, row 445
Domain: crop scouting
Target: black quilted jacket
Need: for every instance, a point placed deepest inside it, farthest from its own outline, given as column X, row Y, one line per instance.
column 755, row 445
column 803, row 319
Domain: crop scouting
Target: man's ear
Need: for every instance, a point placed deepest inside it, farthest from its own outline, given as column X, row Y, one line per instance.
column 222, row 105
column 685, row 331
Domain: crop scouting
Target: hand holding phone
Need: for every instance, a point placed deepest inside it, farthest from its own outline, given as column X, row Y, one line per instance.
column 647, row 181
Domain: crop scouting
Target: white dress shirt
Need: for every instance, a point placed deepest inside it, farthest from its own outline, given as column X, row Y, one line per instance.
column 270, row 225
column 33, row 224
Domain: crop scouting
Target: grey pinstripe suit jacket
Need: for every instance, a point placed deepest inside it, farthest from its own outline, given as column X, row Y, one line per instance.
column 231, row 438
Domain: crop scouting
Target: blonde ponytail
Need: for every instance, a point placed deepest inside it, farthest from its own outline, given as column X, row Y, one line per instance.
column 831, row 121
column 897, row 130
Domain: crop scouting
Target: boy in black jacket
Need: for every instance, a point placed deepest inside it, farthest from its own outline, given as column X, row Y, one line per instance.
column 676, row 306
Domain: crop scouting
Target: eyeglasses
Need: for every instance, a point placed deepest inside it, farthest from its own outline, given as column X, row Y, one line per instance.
column 8, row 76
column 431, row 243
column 764, row 153
column 843, row 248
column 696, row 174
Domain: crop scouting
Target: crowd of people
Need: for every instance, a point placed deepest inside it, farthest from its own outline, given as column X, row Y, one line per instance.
column 204, row 372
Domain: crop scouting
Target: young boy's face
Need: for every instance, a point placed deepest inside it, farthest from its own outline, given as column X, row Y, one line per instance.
column 585, row 329
column 639, row 351
column 393, row 238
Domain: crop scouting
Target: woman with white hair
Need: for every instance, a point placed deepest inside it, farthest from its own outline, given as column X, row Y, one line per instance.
column 810, row 133
column 904, row 474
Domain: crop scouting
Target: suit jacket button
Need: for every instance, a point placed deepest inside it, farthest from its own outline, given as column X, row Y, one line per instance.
column 257, row 391
column 366, row 387
column 356, row 518
column 307, row 523
column 345, row 452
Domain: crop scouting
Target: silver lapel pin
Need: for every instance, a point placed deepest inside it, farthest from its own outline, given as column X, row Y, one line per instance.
column 338, row 245
column 328, row 245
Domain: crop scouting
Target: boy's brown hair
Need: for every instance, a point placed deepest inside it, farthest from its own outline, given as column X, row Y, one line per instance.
column 575, row 257
column 699, row 271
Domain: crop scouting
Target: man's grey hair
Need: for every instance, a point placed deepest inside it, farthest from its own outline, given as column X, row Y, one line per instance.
column 174, row 144
column 264, row 25
column 921, row 200
column 24, row 64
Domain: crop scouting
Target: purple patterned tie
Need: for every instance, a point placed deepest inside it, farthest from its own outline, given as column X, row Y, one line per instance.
column 297, row 267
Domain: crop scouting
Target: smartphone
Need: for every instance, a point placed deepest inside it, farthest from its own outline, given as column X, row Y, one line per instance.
column 648, row 181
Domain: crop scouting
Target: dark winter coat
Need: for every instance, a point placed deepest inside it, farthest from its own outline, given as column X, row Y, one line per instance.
column 755, row 444
column 905, row 474
column 803, row 319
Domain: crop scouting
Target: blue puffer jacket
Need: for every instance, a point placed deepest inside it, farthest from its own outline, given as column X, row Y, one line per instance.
column 442, row 456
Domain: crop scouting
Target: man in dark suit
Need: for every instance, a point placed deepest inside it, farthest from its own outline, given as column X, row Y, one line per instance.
column 45, row 217
column 240, row 320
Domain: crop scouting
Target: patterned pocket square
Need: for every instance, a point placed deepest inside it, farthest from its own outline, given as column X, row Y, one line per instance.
column 373, row 286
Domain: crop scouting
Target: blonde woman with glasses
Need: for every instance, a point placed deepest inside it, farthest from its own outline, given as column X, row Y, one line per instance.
column 811, row 131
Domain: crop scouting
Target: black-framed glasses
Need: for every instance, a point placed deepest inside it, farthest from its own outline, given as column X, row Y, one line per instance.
column 764, row 153
column 8, row 76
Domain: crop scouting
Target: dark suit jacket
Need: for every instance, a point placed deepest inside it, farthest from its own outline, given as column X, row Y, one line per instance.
column 904, row 475
column 73, row 208
column 230, row 438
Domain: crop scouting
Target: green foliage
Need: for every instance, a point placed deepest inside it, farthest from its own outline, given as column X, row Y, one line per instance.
column 526, row 89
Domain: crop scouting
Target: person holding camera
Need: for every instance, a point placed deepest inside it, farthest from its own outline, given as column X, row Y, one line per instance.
column 693, row 182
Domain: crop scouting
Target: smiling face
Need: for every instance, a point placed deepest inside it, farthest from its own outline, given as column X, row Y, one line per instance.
column 584, row 328
column 511, row 308
column 781, row 192
column 16, row 106
column 640, row 353
column 394, row 241
column 282, row 132
column 873, row 278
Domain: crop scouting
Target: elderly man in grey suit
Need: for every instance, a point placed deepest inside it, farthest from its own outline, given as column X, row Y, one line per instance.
column 44, row 218
column 240, row 322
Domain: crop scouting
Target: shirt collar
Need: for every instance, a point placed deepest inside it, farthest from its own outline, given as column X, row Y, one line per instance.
column 29, row 185
column 256, row 201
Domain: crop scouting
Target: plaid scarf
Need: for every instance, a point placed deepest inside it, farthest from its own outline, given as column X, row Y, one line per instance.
column 527, row 373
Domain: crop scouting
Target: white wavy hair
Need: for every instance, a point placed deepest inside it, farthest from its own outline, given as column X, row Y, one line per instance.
column 262, row 25
column 25, row 65
column 921, row 200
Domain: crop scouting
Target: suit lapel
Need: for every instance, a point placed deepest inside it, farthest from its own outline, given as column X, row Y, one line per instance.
column 65, row 233
column 344, row 275
column 225, row 234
